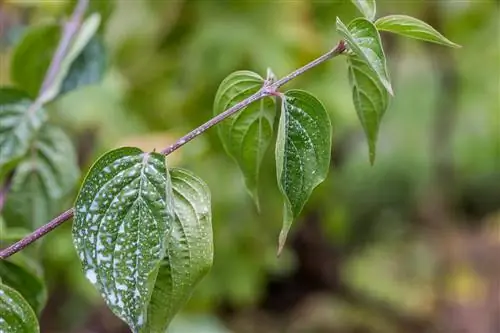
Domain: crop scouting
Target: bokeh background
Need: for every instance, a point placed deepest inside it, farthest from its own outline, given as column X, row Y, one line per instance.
column 409, row 245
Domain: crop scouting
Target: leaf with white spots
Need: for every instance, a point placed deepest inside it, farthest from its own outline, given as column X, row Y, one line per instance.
column 370, row 99
column 20, row 120
column 190, row 250
column 367, row 7
column 246, row 135
column 123, row 215
column 363, row 39
column 413, row 28
column 303, row 150
column 42, row 180
column 18, row 274
column 16, row 315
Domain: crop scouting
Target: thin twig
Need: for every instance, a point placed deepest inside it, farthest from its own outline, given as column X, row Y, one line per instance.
column 267, row 90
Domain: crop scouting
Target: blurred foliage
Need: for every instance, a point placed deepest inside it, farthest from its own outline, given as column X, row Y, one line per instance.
column 167, row 59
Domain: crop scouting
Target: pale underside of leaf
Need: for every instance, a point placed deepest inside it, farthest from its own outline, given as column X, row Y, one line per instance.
column 370, row 99
column 303, row 151
column 367, row 7
column 43, row 179
column 364, row 40
column 19, row 123
column 189, row 252
column 16, row 315
column 123, row 214
column 246, row 135
column 414, row 28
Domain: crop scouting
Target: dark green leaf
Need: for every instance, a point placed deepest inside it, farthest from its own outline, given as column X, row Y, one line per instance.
column 31, row 57
column 370, row 99
column 123, row 214
column 16, row 316
column 20, row 119
column 246, row 135
column 46, row 175
column 303, row 151
column 364, row 40
column 367, row 7
column 26, row 281
column 411, row 27
column 189, row 251
column 88, row 68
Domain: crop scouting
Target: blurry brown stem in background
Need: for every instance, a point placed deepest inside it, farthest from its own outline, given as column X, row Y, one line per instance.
column 267, row 90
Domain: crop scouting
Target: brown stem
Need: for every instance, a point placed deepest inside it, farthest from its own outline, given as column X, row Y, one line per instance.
column 266, row 90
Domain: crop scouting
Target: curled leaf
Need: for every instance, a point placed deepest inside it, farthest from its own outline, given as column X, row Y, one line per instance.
column 367, row 7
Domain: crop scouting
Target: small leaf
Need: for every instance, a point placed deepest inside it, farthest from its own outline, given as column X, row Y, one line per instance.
column 15, row 313
column 88, row 68
column 303, row 149
column 45, row 177
column 370, row 99
column 414, row 28
column 123, row 214
column 246, row 135
column 26, row 281
column 364, row 40
column 367, row 7
column 189, row 251
column 20, row 119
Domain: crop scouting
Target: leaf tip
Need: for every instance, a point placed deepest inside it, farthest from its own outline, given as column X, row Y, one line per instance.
column 282, row 241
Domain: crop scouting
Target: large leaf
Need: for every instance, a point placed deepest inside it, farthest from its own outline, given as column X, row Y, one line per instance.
column 370, row 99
column 303, row 151
column 363, row 39
column 32, row 57
column 26, row 281
column 246, row 135
column 16, row 315
column 46, row 175
column 20, row 120
column 123, row 214
column 189, row 252
column 367, row 7
column 411, row 27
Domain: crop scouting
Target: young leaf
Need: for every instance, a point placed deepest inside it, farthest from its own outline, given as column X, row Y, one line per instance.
column 246, row 135
column 20, row 119
column 414, row 28
column 15, row 313
column 189, row 251
column 32, row 56
column 367, row 7
column 370, row 99
column 123, row 214
column 364, row 40
column 303, row 149
column 88, row 68
column 26, row 281
column 46, row 175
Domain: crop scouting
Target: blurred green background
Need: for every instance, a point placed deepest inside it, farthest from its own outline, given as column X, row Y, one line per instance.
column 409, row 245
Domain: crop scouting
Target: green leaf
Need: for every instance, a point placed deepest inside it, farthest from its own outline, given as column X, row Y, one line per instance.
column 20, row 119
column 123, row 214
column 370, row 99
column 364, row 40
column 88, row 68
column 247, row 134
column 26, row 281
column 104, row 8
column 367, row 7
column 16, row 315
column 189, row 251
column 32, row 56
column 46, row 175
column 414, row 28
column 303, row 149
